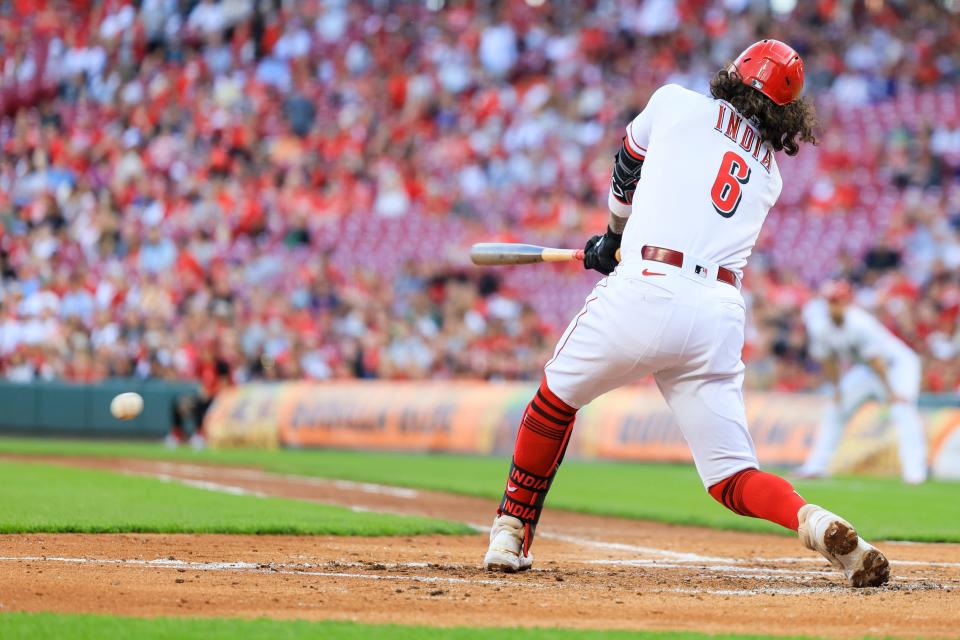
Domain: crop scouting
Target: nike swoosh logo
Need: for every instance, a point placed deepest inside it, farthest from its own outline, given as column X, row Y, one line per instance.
column 647, row 272
column 511, row 488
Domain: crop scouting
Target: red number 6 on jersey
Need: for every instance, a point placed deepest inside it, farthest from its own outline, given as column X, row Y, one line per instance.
column 727, row 188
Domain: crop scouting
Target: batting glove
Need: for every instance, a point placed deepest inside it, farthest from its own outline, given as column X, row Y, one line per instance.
column 600, row 253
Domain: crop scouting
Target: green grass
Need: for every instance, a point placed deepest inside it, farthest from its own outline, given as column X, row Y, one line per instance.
column 882, row 508
column 46, row 498
column 95, row 627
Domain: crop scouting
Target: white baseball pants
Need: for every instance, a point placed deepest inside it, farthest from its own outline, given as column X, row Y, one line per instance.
column 857, row 386
column 684, row 329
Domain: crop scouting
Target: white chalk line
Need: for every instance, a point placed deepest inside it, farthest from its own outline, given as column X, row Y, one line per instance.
column 253, row 474
column 681, row 559
column 760, row 573
column 684, row 559
column 240, row 491
column 620, row 546
column 902, row 563
column 731, row 562
column 694, row 560
column 742, row 571
column 632, row 548
column 402, row 492
column 262, row 568
column 760, row 591
column 366, row 487
column 309, row 569
column 164, row 563
column 209, row 486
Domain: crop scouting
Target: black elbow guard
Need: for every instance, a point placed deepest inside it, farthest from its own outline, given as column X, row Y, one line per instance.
column 626, row 173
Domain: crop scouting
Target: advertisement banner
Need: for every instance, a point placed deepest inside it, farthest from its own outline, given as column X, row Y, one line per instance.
column 246, row 416
column 945, row 446
column 632, row 423
column 462, row 417
column 869, row 444
column 635, row 423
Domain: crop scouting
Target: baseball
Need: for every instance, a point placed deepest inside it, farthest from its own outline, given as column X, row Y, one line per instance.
column 126, row 406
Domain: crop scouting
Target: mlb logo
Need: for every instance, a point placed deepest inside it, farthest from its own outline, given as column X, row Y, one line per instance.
column 701, row 271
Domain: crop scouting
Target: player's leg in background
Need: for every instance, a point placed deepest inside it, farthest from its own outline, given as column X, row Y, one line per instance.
column 856, row 386
column 200, row 408
column 911, row 437
column 181, row 408
column 603, row 348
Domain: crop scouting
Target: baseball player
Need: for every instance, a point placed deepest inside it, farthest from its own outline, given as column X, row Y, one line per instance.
column 882, row 368
column 692, row 183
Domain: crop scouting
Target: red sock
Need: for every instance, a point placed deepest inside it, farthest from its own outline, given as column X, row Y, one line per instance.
column 541, row 442
column 759, row 494
column 544, row 432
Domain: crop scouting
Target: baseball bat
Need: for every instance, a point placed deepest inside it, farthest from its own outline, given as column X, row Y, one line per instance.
column 503, row 253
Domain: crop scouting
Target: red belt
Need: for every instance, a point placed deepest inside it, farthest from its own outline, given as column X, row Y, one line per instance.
column 675, row 258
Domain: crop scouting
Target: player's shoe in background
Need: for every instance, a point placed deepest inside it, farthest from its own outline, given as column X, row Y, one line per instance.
column 198, row 442
column 838, row 542
column 808, row 475
column 506, row 547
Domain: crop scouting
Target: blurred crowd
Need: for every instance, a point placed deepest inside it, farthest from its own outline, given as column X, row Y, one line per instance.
column 191, row 189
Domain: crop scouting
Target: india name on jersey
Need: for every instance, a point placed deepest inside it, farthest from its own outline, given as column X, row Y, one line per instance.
column 707, row 182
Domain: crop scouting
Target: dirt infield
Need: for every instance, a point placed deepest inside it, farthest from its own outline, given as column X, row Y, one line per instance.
column 592, row 572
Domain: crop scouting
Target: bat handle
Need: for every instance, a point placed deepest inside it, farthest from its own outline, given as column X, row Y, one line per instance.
column 578, row 255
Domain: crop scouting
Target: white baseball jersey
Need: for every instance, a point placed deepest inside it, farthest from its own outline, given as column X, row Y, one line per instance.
column 861, row 338
column 707, row 181
column 705, row 188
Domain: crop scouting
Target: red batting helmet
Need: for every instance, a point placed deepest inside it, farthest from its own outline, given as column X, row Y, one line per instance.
column 837, row 291
column 772, row 68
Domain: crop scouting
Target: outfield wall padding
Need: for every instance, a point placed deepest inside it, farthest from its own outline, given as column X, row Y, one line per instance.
column 61, row 408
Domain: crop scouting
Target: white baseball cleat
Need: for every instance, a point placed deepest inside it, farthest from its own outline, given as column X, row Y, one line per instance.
column 837, row 541
column 506, row 547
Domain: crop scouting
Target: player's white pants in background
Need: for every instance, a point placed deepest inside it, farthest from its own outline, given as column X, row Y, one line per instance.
column 860, row 384
column 685, row 330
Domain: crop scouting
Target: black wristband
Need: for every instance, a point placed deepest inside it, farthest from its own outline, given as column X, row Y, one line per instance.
column 626, row 174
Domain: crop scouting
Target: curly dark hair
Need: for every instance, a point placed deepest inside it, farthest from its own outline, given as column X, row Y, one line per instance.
column 778, row 125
